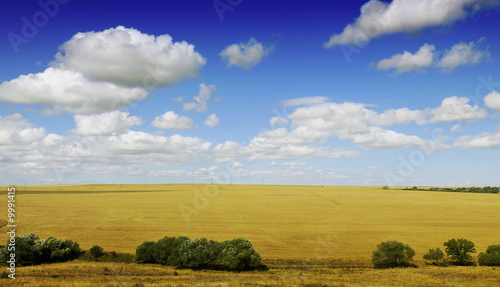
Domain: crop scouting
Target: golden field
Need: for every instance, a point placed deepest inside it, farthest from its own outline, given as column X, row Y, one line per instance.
column 296, row 223
column 289, row 222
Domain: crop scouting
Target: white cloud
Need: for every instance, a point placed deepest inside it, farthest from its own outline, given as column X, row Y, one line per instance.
column 237, row 165
column 456, row 128
column 492, row 100
column 294, row 165
column 280, row 144
column 426, row 57
column 200, row 103
column 304, row 101
column 172, row 121
column 378, row 18
column 15, row 130
column 463, row 54
column 101, row 71
column 128, row 57
column 278, row 121
column 407, row 62
column 178, row 99
column 457, row 109
column 212, row 121
column 245, row 55
column 354, row 122
column 106, row 123
column 66, row 90
column 484, row 140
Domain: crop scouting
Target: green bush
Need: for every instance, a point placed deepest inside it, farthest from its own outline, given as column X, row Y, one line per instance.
column 181, row 252
column 392, row 254
column 458, row 251
column 239, row 254
column 491, row 257
column 145, row 252
column 435, row 255
column 31, row 250
column 175, row 257
column 96, row 251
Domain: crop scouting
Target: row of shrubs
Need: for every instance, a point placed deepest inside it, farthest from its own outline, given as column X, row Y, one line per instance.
column 182, row 252
column 393, row 254
column 486, row 189
column 235, row 255
column 29, row 249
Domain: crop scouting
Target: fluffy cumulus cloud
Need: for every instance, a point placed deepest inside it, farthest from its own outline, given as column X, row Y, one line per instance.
column 278, row 121
column 106, row 123
column 212, row 121
column 15, row 130
column 463, row 54
column 245, row 55
column 355, row 122
column 427, row 57
column 281, row 144
column 492, row 100
column 457, row 109
column 378, row 18
column 101, row 71
column 172, row 121
column 366, row 127
column 200, row 103
column 484, row 140
column 126, row 56
column 66, row 90
column 407, row 62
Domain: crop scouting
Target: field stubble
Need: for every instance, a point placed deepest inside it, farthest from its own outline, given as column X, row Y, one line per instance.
column 287, row 222
column 301, row 223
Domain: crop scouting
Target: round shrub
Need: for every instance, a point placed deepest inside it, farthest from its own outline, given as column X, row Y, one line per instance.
column 145, row 252
column 491, row 257
column 96, row 251
column 392, row 254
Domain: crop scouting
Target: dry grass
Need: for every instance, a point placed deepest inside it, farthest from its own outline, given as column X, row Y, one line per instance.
column 78, row 273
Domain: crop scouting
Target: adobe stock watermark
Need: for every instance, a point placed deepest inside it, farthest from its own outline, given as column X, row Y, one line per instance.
column 30, row 27
column 223, row 6
column 11, row 227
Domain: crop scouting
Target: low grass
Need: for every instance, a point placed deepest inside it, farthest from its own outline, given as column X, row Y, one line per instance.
column 82, row 273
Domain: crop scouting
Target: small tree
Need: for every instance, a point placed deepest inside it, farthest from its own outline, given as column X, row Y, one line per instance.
column 96, row 251
column 458, row 251
column 434, row 255
column 491, row 257
column 145, row 252
column 239, row 254
column 392, row 254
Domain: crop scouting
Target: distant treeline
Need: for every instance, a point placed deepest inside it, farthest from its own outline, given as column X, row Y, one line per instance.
column 486, row 189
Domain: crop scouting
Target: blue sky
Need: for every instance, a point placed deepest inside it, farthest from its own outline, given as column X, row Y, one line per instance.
column 288, row 92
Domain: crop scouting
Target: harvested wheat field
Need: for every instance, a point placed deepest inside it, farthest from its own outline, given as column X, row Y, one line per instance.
column 287, row 222
column 294, row 224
